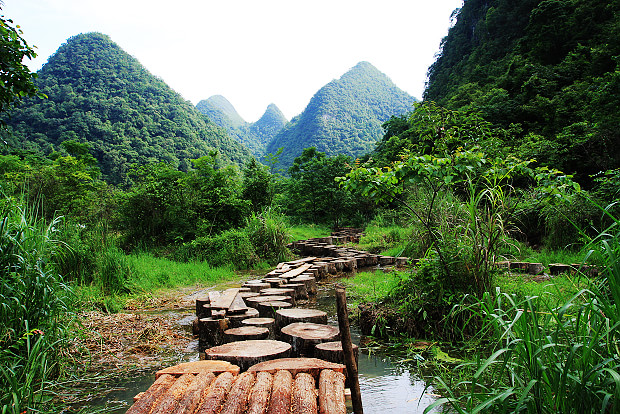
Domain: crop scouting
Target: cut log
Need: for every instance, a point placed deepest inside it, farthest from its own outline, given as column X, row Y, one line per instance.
column 301, row 292
column 170, row 401
column 218, row 314
column 198, row 367
column 225, row 299
column 237, row 399
column 303, row 397
column 235, row 320
column 256, row 287
column 253, row 302
column 559, row 268
column 237, row 306
column 193, row 394
column 152, row 395
column 268, row 309
column 286, row 317
column 535, row 268
column 309, row 281
column 247, row 353
column 331, row 393
column 248, row 294
column 258, row 401
column 268, row 323
column 244, row 333
column 401, row 261
column 214, row 398
column 274, row 281
column 295, row 272
column 310, row 366
column 211, row 332
column 278, row 291
column 201, row 311
column 332, row 351
column 304, row 336
column 280, row 402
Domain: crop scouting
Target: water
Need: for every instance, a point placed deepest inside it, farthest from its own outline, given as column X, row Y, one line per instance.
column 385, row 383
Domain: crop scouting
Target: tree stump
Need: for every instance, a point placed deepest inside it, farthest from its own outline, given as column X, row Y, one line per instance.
column 268, row 309
column 294, row 366
column 286, row 317
column 559, row 268
column 211, row 332
column 274, row 281
column 386, row 260
column 331, row 393
column 245, row 333
column 303, row 336
column 201, row 311
column 268, row 323
column 248, row 353
column 235, row 320
column 300, row 290
column 256, row 287
column 309, row 281
column 332, row 352
column 278, row 291
column 253, row 302
column 303, row 397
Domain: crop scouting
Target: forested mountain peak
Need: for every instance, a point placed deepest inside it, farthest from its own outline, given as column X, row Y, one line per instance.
column 345, row 116
column 253, row 135
column 220, row 111
column 99, row 94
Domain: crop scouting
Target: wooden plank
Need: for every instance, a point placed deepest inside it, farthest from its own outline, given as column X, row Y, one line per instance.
column 237, row 305
column 198, row 367
column 225, row 299
column 280, row 401
column 303, row 397
column 214, row 295
column 303, row 260
column 295, row 272
column 311, row 366
column 152, row 395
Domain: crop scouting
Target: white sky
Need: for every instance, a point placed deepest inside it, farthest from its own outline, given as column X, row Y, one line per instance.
column 253, row 52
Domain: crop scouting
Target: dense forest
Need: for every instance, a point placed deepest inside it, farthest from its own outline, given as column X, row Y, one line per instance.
column 255, row 135
column 343, row 117
column 546, row 70
column 98, row 94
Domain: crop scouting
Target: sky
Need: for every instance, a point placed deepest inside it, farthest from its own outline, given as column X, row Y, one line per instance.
column 253, row 52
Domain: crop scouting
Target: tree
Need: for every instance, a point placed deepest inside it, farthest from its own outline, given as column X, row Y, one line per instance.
column 16, row 80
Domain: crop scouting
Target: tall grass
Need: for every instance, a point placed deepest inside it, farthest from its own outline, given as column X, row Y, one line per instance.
column 548, row 358
column 32, row 303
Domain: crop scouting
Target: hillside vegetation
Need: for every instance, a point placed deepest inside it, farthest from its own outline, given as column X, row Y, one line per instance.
column 547, row 70
column 344, row 117
column 98, row 94
column 254, row 135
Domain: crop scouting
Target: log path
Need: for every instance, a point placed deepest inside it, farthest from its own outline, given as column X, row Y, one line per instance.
column 243, row 374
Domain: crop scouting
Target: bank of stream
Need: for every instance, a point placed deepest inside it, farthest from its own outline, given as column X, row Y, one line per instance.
column 386, row 382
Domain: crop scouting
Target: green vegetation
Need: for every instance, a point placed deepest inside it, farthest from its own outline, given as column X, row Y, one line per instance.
column 343, row 117
column 545, row 69
column 254, row 136
column 98, row 94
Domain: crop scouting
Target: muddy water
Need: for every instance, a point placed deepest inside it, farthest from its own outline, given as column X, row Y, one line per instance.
column 387, row 386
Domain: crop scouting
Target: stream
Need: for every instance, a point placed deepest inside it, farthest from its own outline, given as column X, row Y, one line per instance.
column 385, row 383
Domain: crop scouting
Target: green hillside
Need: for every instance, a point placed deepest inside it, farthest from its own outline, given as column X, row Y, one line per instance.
column 99, row 94
column 548, row 70
column 254, row 136
column 345, row 116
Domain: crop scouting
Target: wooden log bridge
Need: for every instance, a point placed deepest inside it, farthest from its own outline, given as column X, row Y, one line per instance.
column 296, row 386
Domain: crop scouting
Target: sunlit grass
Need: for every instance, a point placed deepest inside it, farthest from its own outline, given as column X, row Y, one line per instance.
column 307, row 231
column 370, row 286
